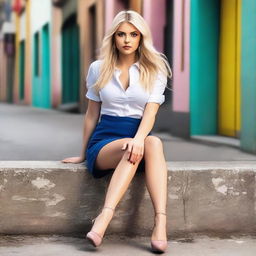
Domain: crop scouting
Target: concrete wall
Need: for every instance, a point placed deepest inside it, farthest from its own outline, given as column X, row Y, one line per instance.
column 51, row 197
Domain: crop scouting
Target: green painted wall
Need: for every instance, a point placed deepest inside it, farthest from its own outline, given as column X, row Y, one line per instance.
column 41, row 69
column 248, row 76
column 204, row 36
column 70, row 61
column 22, row 70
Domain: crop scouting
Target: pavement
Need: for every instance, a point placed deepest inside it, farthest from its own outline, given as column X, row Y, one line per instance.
column 125, row 246
column 28, row 133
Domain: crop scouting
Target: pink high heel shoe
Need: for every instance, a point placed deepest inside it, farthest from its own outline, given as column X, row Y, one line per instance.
column 159, row 246
column 93, row 237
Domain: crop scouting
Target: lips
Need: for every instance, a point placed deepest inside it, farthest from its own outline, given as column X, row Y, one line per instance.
column 127, row 47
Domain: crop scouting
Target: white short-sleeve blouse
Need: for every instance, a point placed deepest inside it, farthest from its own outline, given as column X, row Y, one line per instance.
column 119, row 102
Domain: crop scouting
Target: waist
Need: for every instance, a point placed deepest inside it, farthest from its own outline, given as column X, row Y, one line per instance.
column 121, row 119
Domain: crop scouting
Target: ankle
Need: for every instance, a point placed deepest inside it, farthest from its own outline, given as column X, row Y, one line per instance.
column 108, row 208
column 107, row 213
column 160, row 219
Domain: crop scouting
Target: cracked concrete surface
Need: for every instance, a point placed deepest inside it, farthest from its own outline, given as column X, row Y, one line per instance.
column 125, row 246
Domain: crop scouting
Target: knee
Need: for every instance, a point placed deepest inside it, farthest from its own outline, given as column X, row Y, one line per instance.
column 153, row 143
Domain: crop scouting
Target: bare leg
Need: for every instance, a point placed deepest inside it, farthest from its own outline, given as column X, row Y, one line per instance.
column 119, row 182
column 156, row 181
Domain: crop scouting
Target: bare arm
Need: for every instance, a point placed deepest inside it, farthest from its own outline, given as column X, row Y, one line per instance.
column 90, row 121
column 136, row 146
column 148, row 120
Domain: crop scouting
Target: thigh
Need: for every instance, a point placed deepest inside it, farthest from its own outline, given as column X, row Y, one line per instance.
column 111, row 154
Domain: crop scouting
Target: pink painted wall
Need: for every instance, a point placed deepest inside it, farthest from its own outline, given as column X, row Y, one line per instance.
column 154, row 14
column 109, row 13
column 181, row 79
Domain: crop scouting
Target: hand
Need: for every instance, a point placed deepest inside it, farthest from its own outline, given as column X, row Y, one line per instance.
column 135, row 149
column 74, row 160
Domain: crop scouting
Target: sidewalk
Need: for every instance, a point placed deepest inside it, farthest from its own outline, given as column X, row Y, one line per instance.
column 28, row 133
column 118, row 246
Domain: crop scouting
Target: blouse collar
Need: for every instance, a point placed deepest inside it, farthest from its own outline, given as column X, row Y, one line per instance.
column 137, row 64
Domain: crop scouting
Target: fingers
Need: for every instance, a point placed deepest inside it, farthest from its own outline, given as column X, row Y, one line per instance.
column 130, row 148
column 73, row 160
column 124, row 146
column 67, row 160
column 135, row 153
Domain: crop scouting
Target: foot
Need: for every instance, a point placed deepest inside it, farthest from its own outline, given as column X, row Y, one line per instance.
column 101, row 222
column 159, row 237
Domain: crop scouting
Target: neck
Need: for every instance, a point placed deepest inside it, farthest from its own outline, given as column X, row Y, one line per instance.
column 126, row 60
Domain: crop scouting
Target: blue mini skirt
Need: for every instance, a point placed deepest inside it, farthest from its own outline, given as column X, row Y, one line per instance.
column 109, row 128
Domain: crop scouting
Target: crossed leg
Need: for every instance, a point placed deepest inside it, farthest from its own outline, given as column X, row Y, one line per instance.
column 112, row 156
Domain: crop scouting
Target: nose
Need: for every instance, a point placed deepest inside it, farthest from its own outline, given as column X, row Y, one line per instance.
column 127, row 39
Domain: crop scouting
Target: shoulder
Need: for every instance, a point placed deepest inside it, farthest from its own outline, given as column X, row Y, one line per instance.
column 95, row 65
column 161, row 78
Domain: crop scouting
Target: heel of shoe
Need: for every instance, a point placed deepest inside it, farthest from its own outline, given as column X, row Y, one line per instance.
column 94, row 238
column 159, row 246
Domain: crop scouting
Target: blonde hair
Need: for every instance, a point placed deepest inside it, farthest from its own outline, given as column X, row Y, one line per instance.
column 151, row 61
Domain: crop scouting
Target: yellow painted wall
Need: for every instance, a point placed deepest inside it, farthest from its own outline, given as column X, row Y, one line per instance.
column 28, row 57
column 229, row 68
column 17, row 57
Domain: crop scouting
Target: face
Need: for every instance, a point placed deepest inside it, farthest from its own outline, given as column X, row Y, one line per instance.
column 127, row 35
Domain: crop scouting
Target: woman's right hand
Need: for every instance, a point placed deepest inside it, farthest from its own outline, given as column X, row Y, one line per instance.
column 73, row 160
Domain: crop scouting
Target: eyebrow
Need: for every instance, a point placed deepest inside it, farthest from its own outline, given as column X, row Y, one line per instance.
column 130, row 32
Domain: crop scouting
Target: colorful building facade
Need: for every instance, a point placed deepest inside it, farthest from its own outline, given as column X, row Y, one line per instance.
column 208, row 45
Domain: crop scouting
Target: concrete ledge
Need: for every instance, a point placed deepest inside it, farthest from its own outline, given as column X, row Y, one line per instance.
column 55, row 198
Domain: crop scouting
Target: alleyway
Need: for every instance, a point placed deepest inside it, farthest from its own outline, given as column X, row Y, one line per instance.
column 28, row 133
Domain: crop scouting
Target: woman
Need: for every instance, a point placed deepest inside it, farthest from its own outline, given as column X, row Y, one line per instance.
column 125, row 90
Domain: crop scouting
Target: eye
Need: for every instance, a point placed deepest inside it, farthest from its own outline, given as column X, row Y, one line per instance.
column 120, row 34
column 134, row 34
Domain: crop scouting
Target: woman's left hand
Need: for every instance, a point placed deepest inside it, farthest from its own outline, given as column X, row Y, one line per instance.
column 135, row 148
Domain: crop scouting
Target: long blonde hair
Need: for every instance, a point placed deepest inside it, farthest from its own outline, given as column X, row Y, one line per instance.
column 151, row 61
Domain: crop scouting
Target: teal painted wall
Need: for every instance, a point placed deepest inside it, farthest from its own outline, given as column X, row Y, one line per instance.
column 248, row 76
column 204, row 36
column 46, row 100
column 70, row 61
column 41, row 69
column 22, row 70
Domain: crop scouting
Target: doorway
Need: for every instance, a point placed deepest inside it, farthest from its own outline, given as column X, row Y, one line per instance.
column 70, row 61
